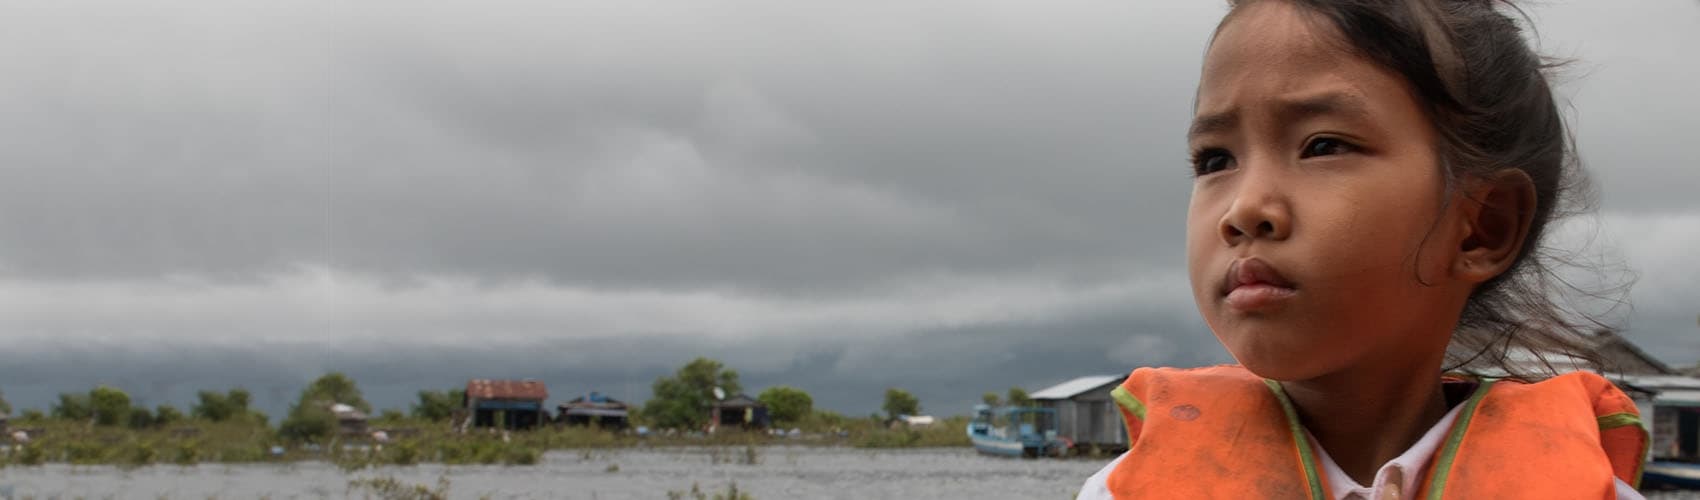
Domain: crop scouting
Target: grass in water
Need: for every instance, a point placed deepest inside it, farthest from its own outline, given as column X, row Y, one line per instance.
column 390, row 488
column 696, row 493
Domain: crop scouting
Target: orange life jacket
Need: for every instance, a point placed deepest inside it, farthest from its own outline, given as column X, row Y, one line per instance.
column 1222, row 432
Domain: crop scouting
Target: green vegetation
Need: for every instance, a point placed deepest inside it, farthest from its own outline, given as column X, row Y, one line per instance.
column 900, row 402
column 110, row 406
column 438, row 406
column 682, row 401
column 390, row 488
column 102, row 426
column 786, row 405
column 945, row 432
column 310, row 419
column 1018, row 397
column 72, row 407
column 231, row 405
column 696, row 493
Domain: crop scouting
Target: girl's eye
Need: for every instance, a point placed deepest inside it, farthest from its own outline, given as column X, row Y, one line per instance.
column 1324, row 146
column 1210, row 161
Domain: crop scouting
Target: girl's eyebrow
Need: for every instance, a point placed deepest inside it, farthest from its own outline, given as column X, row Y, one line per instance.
column 1287, row 109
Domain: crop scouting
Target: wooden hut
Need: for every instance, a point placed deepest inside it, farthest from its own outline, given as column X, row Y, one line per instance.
column 1086, row 414
column 1673, row 404
column 594, row 409
column 350, row 421
column 739, row 411
column 506, row 404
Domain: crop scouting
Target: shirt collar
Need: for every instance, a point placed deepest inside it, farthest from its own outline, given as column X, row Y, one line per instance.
column 1407, row 468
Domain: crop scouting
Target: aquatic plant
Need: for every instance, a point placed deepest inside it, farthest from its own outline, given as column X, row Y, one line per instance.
column 696, row 493
column 390, row 488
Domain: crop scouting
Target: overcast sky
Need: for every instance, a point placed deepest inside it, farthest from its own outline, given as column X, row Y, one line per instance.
column 951, row 197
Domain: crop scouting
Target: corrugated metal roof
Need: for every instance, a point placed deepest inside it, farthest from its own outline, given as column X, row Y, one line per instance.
column 1661, row 382
column 1678, row 398
column 506, row 389
column 1074, row 387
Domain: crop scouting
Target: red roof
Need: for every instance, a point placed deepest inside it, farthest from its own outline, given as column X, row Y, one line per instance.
column 506, row 389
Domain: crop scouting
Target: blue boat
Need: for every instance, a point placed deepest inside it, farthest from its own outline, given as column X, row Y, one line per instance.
column 1667, row 474
column 1015, row 432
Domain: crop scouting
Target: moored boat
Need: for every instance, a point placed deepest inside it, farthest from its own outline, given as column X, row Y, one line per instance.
column 1015, row 432
column 1668, row 474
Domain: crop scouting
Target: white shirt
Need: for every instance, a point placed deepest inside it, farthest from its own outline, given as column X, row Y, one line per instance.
column 1397, row 479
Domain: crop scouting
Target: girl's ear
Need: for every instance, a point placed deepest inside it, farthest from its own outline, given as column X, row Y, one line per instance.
column 1498, row 209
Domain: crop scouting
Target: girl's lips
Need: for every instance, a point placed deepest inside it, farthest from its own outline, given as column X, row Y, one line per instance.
column 1252, row 284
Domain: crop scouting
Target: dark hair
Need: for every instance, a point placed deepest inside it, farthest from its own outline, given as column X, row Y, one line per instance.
column 1487, row 94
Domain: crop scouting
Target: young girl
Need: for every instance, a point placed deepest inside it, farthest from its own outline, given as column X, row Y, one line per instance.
column 1372, row 178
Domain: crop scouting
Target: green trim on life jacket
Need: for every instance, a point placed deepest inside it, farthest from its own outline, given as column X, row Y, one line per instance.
column 1454, row 439
column 1126, row 400
column 1307, row 458
column 1623, row 419
column 1615, row 420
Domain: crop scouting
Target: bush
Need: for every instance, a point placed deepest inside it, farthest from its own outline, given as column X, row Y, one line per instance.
column 32, row 454
column 188, row 453
column 521, row 455
column 111, row 406
column 787, row 405
column 307, row 423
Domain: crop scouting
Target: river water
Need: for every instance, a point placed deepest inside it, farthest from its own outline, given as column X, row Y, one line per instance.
column 779, row 472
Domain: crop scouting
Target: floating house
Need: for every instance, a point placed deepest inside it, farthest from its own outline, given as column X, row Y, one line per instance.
column 506, row 404
column 594, row 409
column 739, row 411
column 350, row 421
column 1085, row 413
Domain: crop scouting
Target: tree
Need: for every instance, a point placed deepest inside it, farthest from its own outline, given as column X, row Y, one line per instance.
column 5, row 408
column 71, row 406
column 215, row 407
column 110, row 406
column 238, row 398
column 310, row 418
column 1018, row 397
column 140, row 418
column 335, row 387
column 167, row 415
column 786, row 404
column 990, row 398
column 309, row 422
column 683, row 400
column 437, row 406
column 900, row 402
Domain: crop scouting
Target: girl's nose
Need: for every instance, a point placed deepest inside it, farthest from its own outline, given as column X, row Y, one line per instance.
column 1259, row 211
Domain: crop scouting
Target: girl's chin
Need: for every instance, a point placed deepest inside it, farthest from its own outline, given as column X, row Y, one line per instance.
column 1285, row 363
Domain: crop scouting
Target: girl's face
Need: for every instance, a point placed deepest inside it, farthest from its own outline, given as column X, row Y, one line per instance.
column 1317, row 204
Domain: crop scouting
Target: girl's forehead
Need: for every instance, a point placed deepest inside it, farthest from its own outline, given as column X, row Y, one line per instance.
column 1270, row 49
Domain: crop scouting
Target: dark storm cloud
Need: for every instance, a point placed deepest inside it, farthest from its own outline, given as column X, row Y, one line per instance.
column 948, row 368
column 383, row 186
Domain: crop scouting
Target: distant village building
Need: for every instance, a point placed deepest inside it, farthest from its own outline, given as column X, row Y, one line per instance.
column 739, row 411
column 1668, row 400
column 917, row 421
column 1619, row 355
column 594, row 409
column 350, row 421
column 506, row 404
column 1086, row 414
